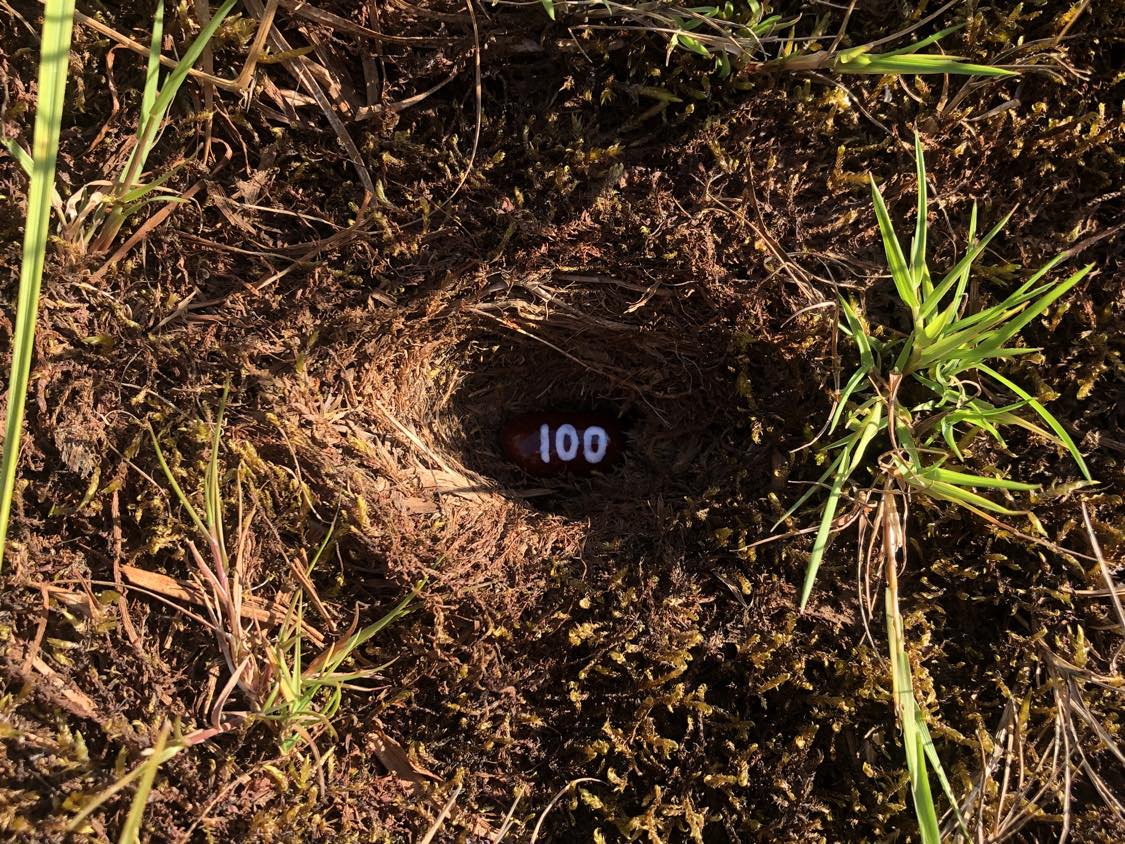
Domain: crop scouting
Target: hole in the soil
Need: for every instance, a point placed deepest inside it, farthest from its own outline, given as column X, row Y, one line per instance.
column 672, row 391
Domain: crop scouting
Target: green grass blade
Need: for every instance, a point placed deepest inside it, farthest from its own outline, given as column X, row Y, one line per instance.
column 916, row 735
column 1006, row 310
column 54, row 56
column 146, row 136
column 152, row 72
column 361, row 637
column 961, row 269
column 952, row 346
column 214, row 499
column 1028, row 425
column 824, row 532
column 918, row 246
column 180, row 496
column 328, row 538
column 22, row 156
column 805, row 496
column 939, row 772
column 916, row 65
column 872, row 425
column 1038, row 274
column 906, row 440
column 141, row 191
column 99, row 800
column 855, row 328
column 1015, row 304
column 983, row 321
column 966, row 479
column 1037, row 308
column 1045, row 415
column 845, row 394
column 131, row 828
column 966, row 498
column 950, row 313
column 895, row 259
column 163, row 101
column 925, row 42
column 142, row 149
column 912, row 727
column 949, row 434
column 549, row 6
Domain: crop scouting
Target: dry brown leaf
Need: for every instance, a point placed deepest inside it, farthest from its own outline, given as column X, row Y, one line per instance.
column 257, row 609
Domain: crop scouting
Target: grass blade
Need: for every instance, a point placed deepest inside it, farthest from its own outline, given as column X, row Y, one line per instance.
column 845, row 394
column 961, row 269
column 965, row 479
column 862, row 340
column 160, row 106
column 148, row 97
column 1035, row 310
column 824, row 532
column 214, row 498
column 872, row 425
column 99, row 800
column 966, row 498
column 939, row 772
column 895, row 259
column 176, row 488
column 158, row 110
column 914, row 733
column 918, row 246
column 131, row 829
column 22, row 157
column 1045, row 415
column 58, row 23
column 807, row 494
column 916, row 65
column 152, row 72
column 925, row 42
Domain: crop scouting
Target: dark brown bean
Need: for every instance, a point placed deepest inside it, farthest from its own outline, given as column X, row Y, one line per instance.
column 550, row 443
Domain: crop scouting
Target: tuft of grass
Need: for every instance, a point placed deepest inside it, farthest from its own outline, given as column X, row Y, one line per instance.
column 305, row 698
column 299, row 699
column 918, row 400
column 58, row 22
column 947, row 359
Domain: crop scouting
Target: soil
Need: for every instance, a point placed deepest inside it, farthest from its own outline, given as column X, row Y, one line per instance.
column 610, row 642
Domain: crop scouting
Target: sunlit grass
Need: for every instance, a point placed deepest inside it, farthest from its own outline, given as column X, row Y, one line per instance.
column 911, row 411
column 54, row 55
column 305, row 697
column 948, row 356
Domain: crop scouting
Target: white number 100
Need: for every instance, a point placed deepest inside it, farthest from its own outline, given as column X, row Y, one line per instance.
column 595, row 443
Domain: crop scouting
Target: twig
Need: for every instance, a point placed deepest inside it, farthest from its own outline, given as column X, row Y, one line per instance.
column 1108, row 578
column 442, row 815
column 556, row 799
